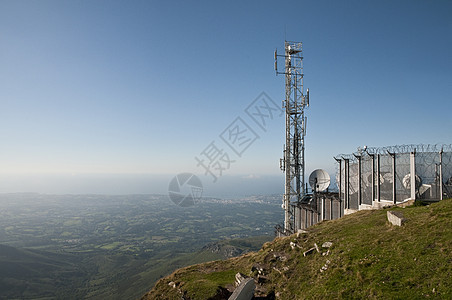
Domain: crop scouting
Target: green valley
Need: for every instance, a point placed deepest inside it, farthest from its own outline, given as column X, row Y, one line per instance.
column 99, row 246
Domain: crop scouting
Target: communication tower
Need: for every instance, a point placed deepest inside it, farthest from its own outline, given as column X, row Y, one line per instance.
column 295, row 102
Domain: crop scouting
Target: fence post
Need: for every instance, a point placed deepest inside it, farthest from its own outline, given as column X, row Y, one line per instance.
column 347, row 184
column 373, row 176
column 359, row 180
column 322, row 204
column 441, row 174
column 340, row 188
column 339, row 161
column 378, row 178
column 413, row 174
column 394, row 196
column 296, row 217
column 331, row 208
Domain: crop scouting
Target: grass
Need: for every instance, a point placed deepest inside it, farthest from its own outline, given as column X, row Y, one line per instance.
column 370, row 258
column 207, row 285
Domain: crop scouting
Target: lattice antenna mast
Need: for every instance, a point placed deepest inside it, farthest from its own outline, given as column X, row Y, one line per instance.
column 292, row 164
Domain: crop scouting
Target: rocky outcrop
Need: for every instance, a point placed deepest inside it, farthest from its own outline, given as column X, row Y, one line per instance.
column 396, row 218
column 227, row 251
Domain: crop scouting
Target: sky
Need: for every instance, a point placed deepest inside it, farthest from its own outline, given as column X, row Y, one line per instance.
column 120, row 96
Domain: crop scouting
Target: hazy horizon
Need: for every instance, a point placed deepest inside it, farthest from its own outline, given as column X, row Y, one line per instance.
column 121, row 184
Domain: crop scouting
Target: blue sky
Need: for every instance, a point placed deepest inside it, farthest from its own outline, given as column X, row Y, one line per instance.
column 142, row 87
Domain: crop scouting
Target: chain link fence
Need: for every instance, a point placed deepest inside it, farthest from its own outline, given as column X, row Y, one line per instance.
column 375, row 177
column 384, row 174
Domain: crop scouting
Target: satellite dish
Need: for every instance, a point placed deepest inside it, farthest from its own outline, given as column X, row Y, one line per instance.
column 407, row 181
column 319, row 180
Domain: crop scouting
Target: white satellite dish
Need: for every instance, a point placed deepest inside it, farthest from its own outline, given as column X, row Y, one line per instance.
column 319, row 180
column 407, row 181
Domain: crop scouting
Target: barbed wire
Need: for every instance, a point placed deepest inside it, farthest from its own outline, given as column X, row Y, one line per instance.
column 397, row 149
column 428, row 160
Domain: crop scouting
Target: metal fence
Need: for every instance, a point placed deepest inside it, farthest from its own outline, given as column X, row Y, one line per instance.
column 373, row 175
column 318, row 207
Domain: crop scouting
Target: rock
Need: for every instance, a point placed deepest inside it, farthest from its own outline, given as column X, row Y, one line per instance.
column 293, row 245
column 239, row 277
column 406, row 203
column 395, row 217
column 327, row 245
column 325, row 267
column 224, row 250
column 257, row 268
column 261, row 279
column 300, row 232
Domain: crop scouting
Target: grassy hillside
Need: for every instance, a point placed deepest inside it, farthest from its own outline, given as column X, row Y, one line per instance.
column 369, row 258
column 213, row 251
column 26, row 274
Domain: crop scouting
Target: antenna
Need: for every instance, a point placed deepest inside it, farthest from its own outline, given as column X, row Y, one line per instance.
column 293, row 155
column 305, row 125
column 276, row 61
